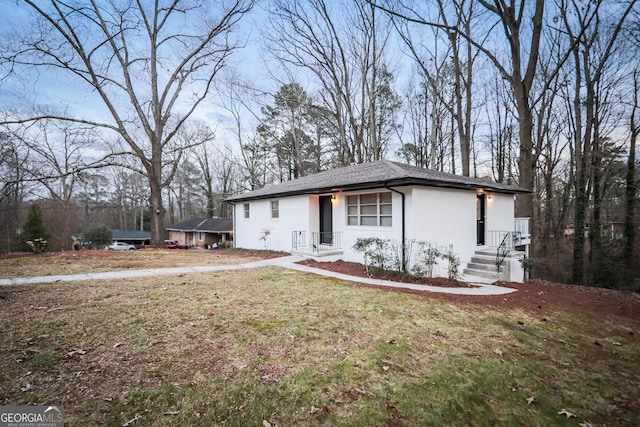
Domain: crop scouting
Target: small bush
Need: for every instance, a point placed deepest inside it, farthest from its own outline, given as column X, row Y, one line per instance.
column 375, row 252
column 426, row 259
column 37, row 245
column 382, row 254
column 453, row 270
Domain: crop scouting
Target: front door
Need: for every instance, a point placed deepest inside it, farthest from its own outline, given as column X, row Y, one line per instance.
column 480, row 214
column 326, row 220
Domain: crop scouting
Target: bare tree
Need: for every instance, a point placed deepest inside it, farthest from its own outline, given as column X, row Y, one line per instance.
column 416, row 151
column 253, row 159
column 502, row 132
column 92, row 195
column 518, row 68
column 631, row 179
column 205, row 158
column 448, row 70
column 593, row 43
column 150, row 64
column 342, row 46
column 12, row 189
column 226, row 174
column 58, row 152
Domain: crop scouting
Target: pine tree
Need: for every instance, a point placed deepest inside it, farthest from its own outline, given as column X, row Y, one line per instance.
column 34, row 236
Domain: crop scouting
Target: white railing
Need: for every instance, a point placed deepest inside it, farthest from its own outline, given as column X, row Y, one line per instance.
column 499, row 238
column 521, row 231
column 522, row 226
column 520, row 235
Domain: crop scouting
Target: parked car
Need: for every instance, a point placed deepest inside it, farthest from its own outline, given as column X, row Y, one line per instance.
column 173, row 244
column 121, row 246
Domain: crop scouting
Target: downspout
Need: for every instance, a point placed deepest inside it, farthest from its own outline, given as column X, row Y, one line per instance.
column 404, row 229
column 233, row 217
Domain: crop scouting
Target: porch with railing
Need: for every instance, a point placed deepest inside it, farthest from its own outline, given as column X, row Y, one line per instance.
column 511, row 239
column 505, row 242
column 315, row 242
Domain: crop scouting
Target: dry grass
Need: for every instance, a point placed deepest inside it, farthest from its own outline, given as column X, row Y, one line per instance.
column 237, row 348
column 92, row 261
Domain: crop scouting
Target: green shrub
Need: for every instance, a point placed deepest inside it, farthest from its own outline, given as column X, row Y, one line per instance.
column 376, row 253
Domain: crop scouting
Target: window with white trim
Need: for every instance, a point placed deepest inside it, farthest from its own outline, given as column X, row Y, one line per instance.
column 199, row 236
column 246, row 210
column 275, row 209
column 371, row 209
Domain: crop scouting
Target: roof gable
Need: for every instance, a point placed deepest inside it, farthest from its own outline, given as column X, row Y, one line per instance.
column 371, row 175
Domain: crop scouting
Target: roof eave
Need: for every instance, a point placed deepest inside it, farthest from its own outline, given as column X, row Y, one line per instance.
column 198, row 230
column 397, row 182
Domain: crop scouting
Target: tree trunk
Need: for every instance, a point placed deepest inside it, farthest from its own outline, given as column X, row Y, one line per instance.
column 524, row 205
column 157, row 216
column 631, row 188
column 595, row 228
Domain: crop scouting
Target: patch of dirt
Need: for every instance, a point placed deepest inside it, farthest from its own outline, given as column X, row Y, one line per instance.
column 99, row 253
column 537, row 297
column 91, row 261
column 358, row 270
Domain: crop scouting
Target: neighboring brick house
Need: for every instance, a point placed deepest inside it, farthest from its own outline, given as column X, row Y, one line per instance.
column 202, row 232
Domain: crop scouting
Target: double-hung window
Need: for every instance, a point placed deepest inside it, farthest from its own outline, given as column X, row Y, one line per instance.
column 246, row 210
column 275, row 209
column 370, row 209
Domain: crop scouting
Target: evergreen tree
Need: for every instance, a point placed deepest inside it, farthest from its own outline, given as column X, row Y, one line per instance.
column 34, row 236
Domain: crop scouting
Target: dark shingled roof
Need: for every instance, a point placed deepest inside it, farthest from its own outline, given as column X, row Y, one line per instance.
column 130, row 235
column 214, row 225
column 383, row 173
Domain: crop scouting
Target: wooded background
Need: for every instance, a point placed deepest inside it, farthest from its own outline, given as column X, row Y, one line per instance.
column 138, row 115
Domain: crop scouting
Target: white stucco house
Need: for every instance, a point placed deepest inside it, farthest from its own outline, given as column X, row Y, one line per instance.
column 322, row 215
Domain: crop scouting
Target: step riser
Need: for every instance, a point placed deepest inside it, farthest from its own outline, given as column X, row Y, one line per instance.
column 493, row 252
column 483, row 267
column 483, row 263
column 481, row 273
column 483, row 260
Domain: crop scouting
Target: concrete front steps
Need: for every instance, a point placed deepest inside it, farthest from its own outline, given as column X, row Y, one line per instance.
column 483, row 264
column 325, row 255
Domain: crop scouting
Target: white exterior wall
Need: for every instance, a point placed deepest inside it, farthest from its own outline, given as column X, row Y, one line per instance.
column 445, row 217
column 314, row 215
column 500, row 212
column 294, row 215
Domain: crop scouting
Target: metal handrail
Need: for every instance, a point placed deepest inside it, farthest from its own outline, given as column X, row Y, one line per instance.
column 318, row 242
column 324, row 241
column 298, row 239
column 503, row 250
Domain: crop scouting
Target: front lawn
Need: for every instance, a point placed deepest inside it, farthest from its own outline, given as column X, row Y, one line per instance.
column 278, row 347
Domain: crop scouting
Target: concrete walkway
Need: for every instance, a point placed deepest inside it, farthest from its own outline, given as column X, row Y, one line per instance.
column 285, row 262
